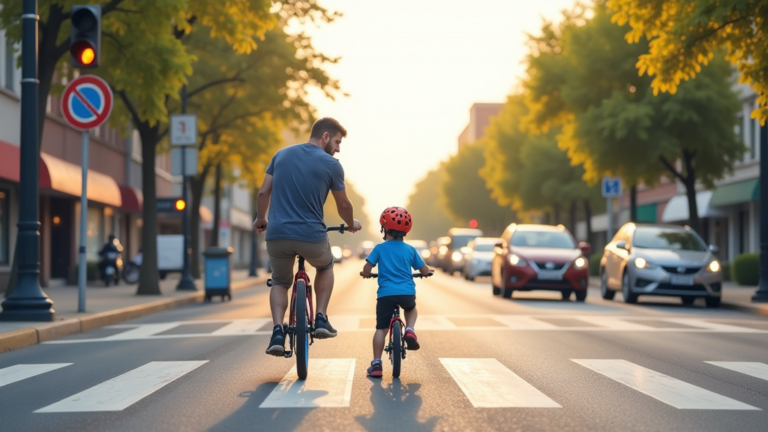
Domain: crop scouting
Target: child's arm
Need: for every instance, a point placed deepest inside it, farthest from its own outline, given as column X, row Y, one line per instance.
column 366, row 273
column 426, row 271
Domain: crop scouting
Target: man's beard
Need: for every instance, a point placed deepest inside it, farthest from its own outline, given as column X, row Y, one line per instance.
column 329, row 148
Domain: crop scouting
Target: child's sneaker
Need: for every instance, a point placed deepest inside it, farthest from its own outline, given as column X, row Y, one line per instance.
column 375, row 371
column 411, row 341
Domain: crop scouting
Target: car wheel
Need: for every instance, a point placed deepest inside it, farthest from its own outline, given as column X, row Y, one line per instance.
column 566, row 294
column 713, row 302
column 470, row 278
column 605, row 292
column 626, row 291
column 581, row 295
column 508, row 292
column 688, row 300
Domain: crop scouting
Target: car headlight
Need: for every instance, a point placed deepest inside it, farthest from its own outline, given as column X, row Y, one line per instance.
column 713, row 267
column 336, row 253
column 642, row 263
column 457, row 256
column 580, row 263
column 516, row 261
column 425, row 254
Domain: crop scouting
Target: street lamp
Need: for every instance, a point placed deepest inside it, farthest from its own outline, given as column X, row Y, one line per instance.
column 761, row 295
column 28, row 301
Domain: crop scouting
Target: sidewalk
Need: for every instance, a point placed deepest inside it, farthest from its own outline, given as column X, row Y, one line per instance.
column 735, row 297
column 106, row 306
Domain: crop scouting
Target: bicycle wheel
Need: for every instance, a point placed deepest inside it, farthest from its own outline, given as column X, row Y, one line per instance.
column 302, row 330
column 397, row 349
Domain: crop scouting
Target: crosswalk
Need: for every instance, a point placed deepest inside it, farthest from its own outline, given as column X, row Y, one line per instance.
column 484, row 382
column 365, row 323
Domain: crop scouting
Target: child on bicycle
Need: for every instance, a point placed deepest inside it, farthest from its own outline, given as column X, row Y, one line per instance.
column 395, row 259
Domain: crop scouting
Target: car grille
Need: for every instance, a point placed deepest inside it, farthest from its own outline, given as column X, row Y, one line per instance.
column 537, row 281
column 543, row 265
column 688, row 270
column 670, row 287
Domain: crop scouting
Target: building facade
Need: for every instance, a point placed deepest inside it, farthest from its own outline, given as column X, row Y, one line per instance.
column 480, row 115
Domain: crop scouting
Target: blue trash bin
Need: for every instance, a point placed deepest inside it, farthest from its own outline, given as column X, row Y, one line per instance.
column 218, row 273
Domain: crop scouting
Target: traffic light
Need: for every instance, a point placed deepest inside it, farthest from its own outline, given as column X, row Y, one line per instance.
column 473, row 223
column 85, row 36
column 180, row 205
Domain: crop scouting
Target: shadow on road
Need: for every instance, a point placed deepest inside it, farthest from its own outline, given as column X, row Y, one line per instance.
column 251, row 417
column 396, row 407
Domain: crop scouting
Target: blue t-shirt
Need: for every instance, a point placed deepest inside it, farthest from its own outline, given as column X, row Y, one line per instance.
column 395, row 260
column 302, row 176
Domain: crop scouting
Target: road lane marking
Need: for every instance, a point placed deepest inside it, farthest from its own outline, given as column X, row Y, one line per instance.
column 613, row 323
column 142, row 332
column 753, row 369
column 523, row 322
column 125, row 390
column 703, row 324
column 434, row 322
column 242, row 327
column 664, row 388
column 328, row 385
column 489, row 384
column 21, row 372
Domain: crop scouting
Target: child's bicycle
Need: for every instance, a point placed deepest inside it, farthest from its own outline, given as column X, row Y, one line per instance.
column 301, row 319
column 396, row 348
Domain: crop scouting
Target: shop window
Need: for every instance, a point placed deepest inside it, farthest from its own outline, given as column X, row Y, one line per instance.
column 94, row 238
column 10, row 65
column 4, row 229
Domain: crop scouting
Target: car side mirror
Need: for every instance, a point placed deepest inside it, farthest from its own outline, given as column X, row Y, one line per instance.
column 622, row 245
column 586, row 248
column 714, row 249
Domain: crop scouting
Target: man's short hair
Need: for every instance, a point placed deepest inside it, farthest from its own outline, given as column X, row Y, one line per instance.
column 327, row 124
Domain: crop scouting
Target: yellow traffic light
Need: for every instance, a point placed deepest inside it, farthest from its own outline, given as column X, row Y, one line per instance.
column 87, row 56
column 180, row 205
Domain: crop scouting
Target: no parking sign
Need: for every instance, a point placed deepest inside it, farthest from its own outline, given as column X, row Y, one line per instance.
column 86, row 102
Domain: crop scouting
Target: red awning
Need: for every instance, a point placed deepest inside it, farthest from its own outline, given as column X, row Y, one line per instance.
column 133, row 198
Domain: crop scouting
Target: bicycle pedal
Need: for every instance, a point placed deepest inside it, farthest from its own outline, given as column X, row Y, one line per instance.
column 288, row 354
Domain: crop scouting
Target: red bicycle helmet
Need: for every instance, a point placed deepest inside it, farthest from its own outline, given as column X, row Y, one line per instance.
column 396, row 218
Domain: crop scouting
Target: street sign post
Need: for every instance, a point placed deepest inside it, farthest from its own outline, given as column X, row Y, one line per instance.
column 86, row 104
column 184, row 134
column 611, row 188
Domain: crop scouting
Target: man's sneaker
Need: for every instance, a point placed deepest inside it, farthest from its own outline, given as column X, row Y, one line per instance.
column 277, row 342
column 375, row 371
column 323, row 329
column 411, row 341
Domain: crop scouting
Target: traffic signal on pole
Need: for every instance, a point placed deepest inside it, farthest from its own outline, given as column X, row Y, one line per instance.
column 473, row 223
column 180, row 205
column 85, row 36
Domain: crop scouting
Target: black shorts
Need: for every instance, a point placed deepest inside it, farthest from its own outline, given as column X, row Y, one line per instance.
column 386, row 305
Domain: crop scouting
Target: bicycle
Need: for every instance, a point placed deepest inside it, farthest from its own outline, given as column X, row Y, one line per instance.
column 302, row 315
column 395, row 348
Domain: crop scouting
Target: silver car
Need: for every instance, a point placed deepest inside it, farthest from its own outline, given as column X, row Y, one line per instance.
column 662, row 260
column 478, row 259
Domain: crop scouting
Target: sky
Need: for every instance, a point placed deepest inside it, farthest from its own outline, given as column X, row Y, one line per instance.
column 412, row 70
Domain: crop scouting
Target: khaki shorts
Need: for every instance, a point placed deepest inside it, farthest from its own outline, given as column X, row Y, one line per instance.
column 282, row 257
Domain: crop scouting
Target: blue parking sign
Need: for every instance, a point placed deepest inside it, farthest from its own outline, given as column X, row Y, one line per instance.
column 611, row 187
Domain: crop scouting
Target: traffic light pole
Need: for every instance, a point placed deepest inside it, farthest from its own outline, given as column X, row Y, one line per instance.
column 186, row 283
column 761, row 295
column 28, row 301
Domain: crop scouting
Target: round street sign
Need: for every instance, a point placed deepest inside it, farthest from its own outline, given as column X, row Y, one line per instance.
column 86, row 102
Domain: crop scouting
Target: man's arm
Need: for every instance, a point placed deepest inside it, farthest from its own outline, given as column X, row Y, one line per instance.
column 262, row 204
column 346, row 210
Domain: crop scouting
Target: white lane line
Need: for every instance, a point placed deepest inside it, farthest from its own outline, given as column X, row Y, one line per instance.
column 613, row 323
column 21, row 372
column 715, row 327
column 125, row 390
column 753, row 369
column 144, row 331
column 328, row 385
column 242, row 327
column 664, row 388
column 523, row 322
column 434, row 322
column 489, row 384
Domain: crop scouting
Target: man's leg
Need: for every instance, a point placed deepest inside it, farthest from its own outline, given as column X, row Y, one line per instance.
column 323, row 289
column 320, row 257
column 278, row 303
column 281, row 258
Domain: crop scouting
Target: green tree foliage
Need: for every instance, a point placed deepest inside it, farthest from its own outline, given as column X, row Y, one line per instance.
column 430, row 220
column 687, row 35
column 583, row 79
column 464, row 192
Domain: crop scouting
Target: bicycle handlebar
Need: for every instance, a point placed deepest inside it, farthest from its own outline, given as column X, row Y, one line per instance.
column 340, row 228
column 415, row 275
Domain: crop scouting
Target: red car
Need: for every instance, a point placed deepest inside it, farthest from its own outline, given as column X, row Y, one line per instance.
column 540, row 257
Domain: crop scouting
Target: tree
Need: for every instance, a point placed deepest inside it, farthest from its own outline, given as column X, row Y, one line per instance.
column 465, row 195
column 686, row 35
column 582, row 78
column 430, row 220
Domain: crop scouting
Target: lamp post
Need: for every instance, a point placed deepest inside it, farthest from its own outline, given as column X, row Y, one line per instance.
column 761, row 295
column 186, row 283
column 28, row 301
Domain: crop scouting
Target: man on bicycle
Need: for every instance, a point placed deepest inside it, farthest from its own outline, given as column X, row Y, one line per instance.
column 294, row 190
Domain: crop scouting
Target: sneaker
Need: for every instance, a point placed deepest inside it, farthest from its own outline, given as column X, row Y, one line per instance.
column 323, row 328
column 411, row 341
column 277, row 342
column 375, row 371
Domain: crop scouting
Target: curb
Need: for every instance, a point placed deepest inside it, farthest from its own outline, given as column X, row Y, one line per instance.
column 27, row 336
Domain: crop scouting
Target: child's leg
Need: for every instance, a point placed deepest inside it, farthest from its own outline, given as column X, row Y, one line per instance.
column 410, row 317
column 379, row 339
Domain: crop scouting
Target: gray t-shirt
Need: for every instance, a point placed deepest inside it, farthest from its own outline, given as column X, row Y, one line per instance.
column 302, row 176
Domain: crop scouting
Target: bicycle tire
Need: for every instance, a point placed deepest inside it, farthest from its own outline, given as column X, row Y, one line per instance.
column 397, row 349
column 302, row 331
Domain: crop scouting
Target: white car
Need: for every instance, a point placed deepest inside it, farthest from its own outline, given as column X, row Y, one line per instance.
column 478, row 259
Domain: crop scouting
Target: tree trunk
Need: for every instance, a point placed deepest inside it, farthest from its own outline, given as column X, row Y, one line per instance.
column 572, row 221
column 690, row 191
column 588, row 220
column 556, row 214
column 216, row 206
column 633, row 204
column 149, row 282
column 197, row 184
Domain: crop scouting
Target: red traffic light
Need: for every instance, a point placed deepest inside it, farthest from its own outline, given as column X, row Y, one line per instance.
column 83, row 52
column 473, row 223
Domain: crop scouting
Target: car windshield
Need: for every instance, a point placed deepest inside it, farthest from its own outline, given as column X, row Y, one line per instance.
column 484, row 247
column 543, row 239
column 460, row 241
column 665, row 238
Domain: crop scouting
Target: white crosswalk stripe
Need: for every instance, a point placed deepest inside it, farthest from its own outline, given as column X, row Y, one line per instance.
column 21, row 372
column 664, row 388
column 125, row 390
column 753, row 369
column 328, row 385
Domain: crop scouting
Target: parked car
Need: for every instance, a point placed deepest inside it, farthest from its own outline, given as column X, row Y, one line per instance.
column 540, row 257
column 663, row 260
column 338, row 254
column 365, row 249
column 422, row 248
column 453, row 259
column 478, row 260
column 442, row 250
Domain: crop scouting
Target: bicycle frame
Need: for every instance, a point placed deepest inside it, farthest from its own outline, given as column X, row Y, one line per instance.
column 291, row 329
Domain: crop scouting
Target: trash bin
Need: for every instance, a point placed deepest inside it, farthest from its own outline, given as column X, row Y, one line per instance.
column 218, row 273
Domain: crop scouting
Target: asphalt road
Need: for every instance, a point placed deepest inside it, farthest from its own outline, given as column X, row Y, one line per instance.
column 531, row 363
